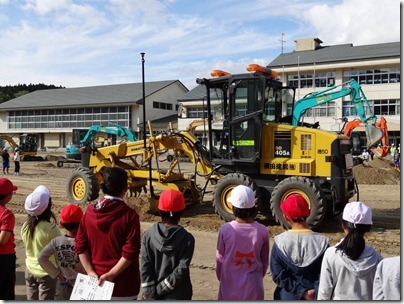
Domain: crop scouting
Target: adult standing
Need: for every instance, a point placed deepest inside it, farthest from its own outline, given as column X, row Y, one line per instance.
column 108, row 239
column 17, row 161
column 6, row 160
column 7, row 244
column 392, row 149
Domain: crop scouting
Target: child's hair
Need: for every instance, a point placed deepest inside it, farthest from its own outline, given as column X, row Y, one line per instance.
column 354, row 243
column 70, row 226
column 171, row 218
column 2, row 197
column 115, row 181
column 244, row 213
column 47, row 215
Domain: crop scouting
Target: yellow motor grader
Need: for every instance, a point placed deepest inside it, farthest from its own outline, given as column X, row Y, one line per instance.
column 84, row 182
column 252, row 147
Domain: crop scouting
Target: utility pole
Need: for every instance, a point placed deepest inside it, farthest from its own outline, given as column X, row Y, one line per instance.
column 144, row 128
column 282, row 42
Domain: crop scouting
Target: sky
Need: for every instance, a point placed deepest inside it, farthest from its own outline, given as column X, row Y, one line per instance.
column 74, row 43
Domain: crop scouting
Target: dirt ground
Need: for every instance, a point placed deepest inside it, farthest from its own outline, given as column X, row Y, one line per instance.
column 379, row 188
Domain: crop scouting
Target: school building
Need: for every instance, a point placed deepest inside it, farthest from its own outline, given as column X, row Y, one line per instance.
column 53, row 114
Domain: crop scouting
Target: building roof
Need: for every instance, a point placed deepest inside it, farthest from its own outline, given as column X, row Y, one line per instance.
column 337, row 53
column 105, row 95
column 198, row 93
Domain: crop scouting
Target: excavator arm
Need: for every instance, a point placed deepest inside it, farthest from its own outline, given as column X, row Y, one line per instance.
column 373, row 133
column 115, row 130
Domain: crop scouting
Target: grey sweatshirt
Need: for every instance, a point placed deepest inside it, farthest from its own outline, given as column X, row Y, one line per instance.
column 387, row 283
column 165, row 258
column 344, row 279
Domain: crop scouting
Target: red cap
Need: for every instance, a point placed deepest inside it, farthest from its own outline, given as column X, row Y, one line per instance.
column 6, row 186
column 295, row 207
column 171, row 200
column 71, row 214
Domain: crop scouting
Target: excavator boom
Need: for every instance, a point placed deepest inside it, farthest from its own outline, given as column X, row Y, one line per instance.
column 373, row 133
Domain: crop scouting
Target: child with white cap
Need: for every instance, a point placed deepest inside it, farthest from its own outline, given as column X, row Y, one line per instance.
column 36, row 233
column 7, row 243
column 62, row 248
column 348, row 268
column 242, row 253
column 297, row 254
column 167, row 250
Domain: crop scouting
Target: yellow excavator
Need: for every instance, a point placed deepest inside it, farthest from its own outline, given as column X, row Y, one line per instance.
column 28, row 146
column 253, row 148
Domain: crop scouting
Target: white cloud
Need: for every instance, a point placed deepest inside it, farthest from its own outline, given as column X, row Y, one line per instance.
column 356, row 21
column 79, row 43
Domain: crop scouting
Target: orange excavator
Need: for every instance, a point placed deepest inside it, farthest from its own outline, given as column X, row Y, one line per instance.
column 382, row 125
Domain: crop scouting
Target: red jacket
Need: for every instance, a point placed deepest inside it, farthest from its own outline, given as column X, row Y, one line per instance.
column 108, row 234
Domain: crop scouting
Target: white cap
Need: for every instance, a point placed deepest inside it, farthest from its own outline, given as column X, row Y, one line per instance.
column 357, row 213
column 392, row 144
column 242, row 197
column 37, row 202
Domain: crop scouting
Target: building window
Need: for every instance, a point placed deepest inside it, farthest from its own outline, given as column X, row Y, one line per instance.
column 68, row 118
column 317, row 80
column 378, row 107
column 197, row 112
column 162, row 105
column 327, row 109
column 376, row 76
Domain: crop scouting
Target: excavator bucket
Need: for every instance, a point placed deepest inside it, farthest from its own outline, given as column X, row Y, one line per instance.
column 373, row 135
column 381, row 152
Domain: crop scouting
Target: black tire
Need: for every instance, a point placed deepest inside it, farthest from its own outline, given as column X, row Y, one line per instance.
column 305, row 187
column 82, row 186
column 223, row 190
column 170, row 158
column 60, row 164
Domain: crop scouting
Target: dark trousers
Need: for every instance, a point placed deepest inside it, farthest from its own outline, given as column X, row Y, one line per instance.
column 17, row 167
column 7, row 276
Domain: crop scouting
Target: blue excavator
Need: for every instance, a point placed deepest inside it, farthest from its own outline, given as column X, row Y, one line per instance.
column 375, row 130
column 83, row 138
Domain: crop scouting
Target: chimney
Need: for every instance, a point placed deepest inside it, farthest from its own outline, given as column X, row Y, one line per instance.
column 307, row 44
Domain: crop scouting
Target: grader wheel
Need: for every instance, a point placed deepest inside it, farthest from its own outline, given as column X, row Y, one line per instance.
column 223, row 190
column 82, row 186
column 306, row 188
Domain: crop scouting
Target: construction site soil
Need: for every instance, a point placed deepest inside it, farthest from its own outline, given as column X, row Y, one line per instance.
column 378, row 183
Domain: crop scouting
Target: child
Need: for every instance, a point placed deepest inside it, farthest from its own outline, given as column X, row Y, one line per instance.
column 387, row 282
column 108, row 239
column 7, row 244
column 167, row 251
column 36, row 233
column 242, row 253
column 297, row 254
column 349, row 267
column 62, row 247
